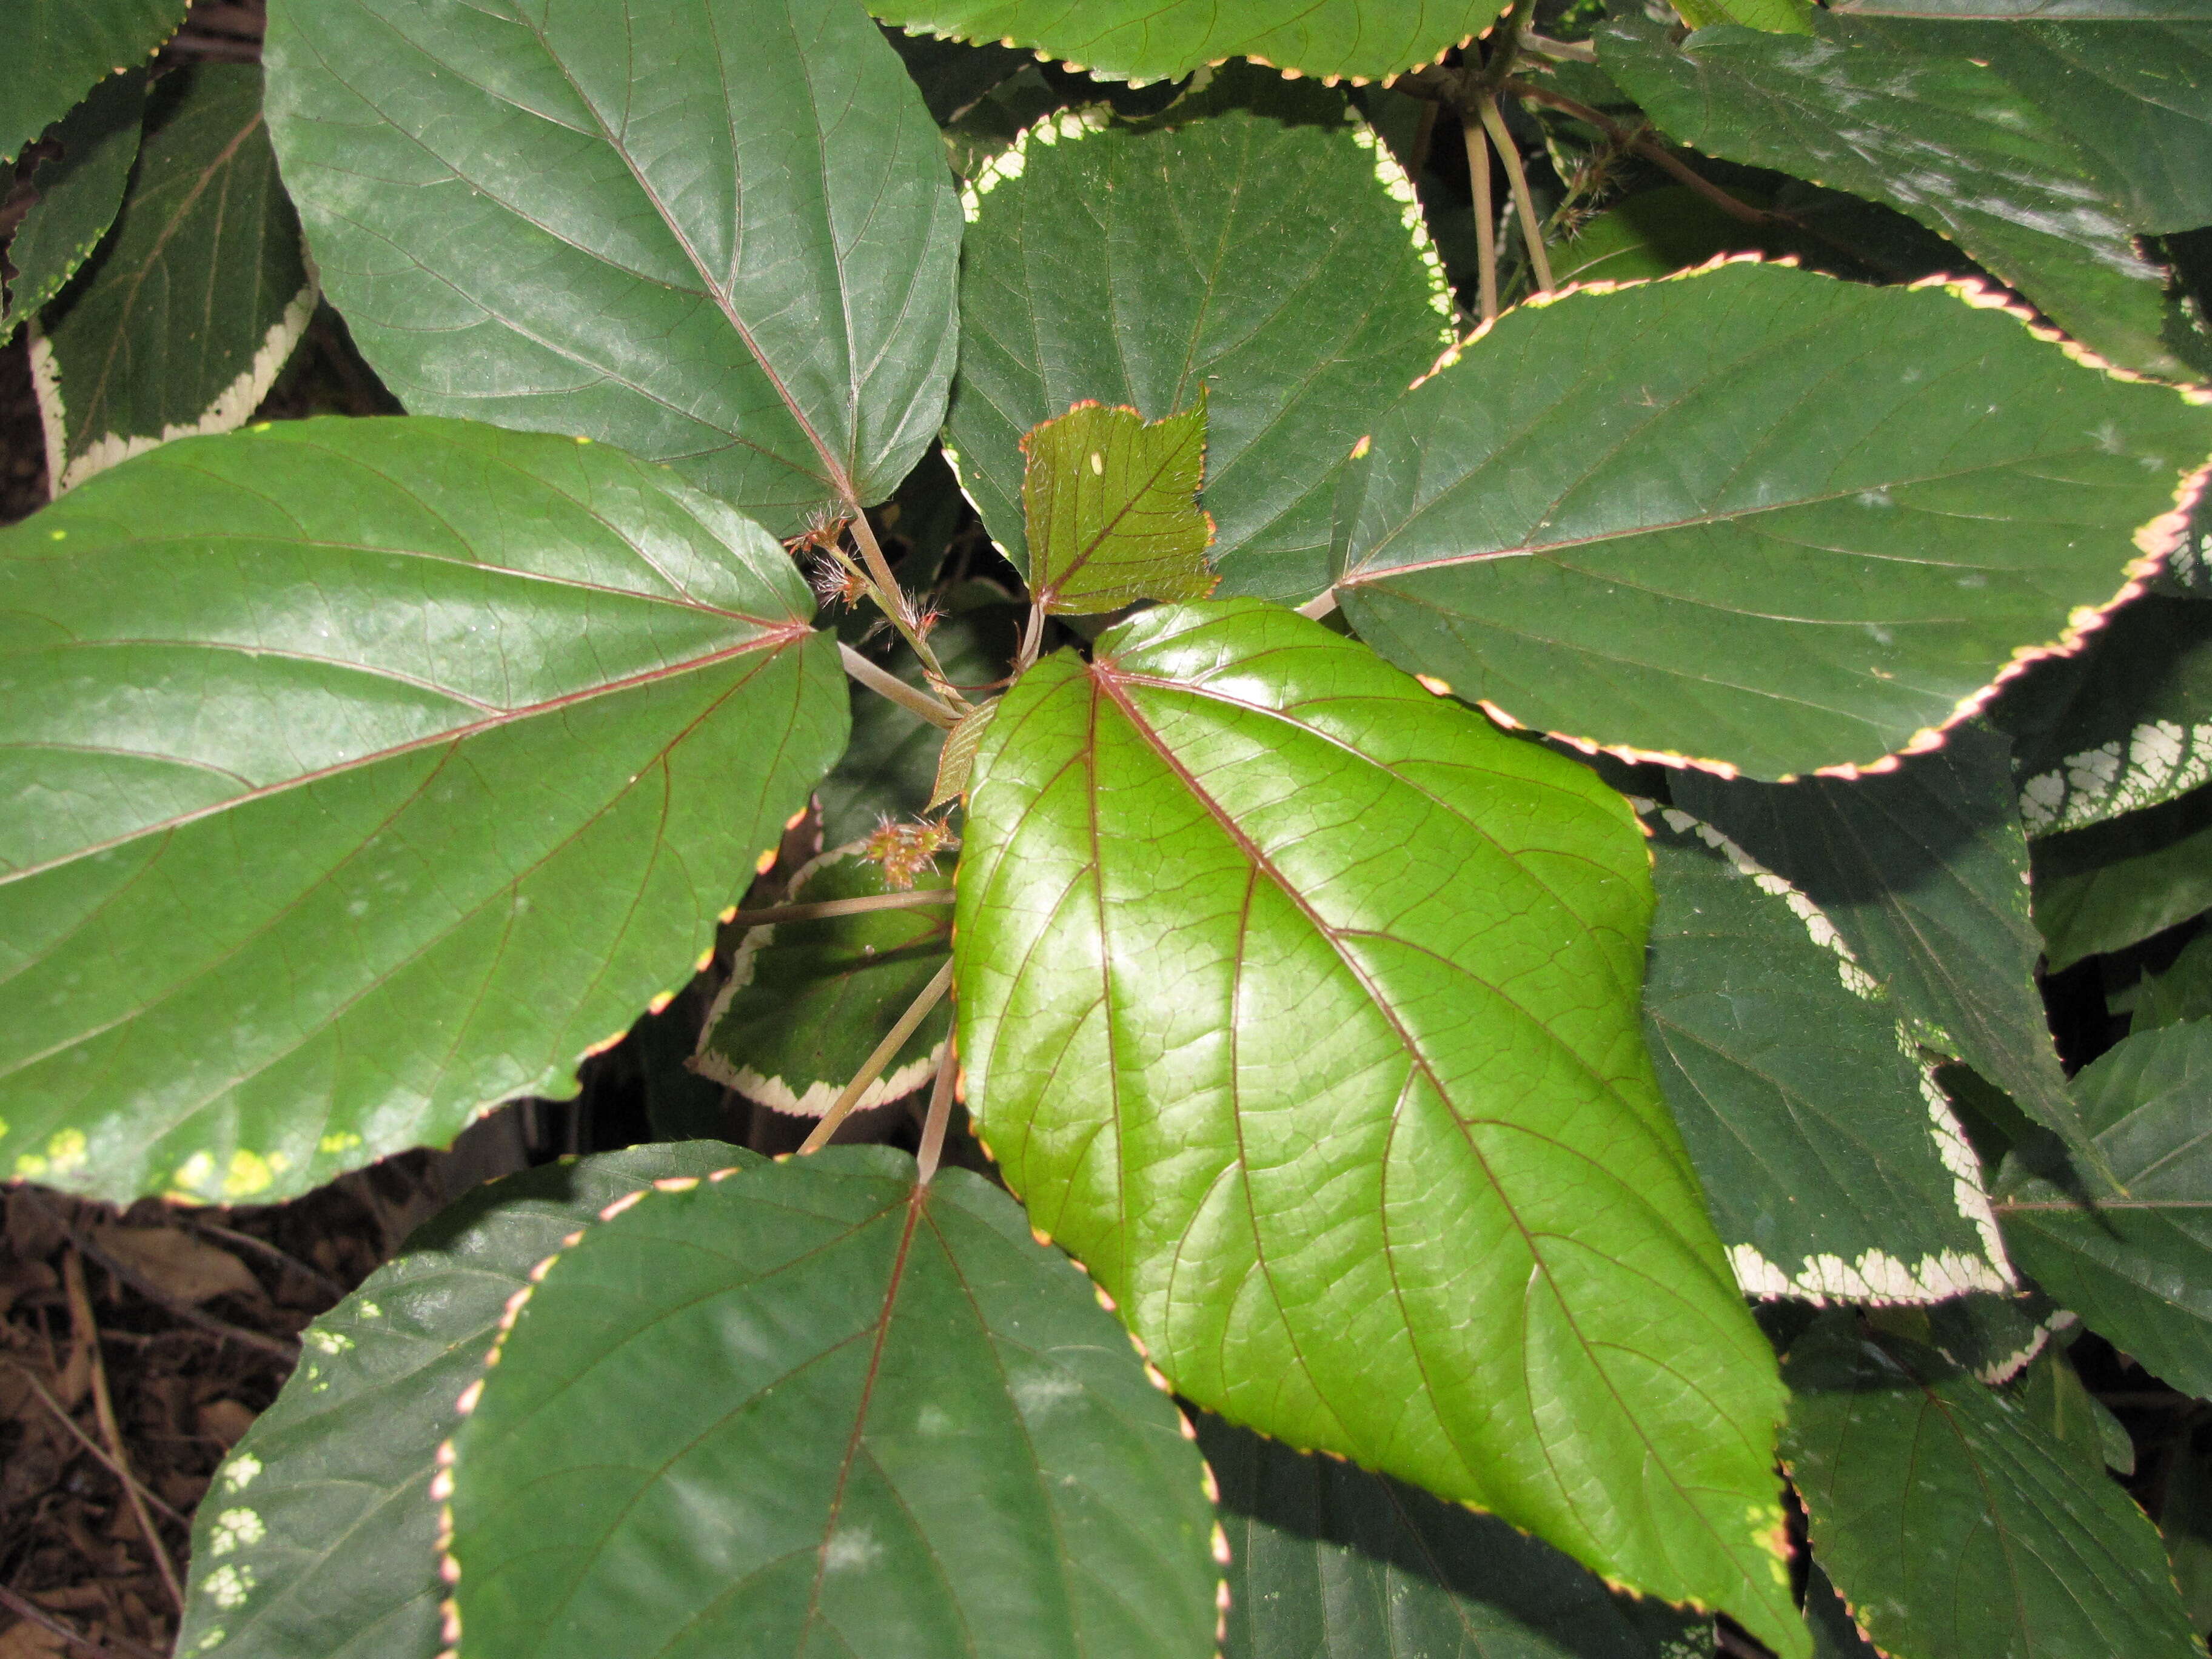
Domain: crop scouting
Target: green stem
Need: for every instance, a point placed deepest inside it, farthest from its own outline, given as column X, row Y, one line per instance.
column 1532, row 234
column 940, row 1114
column 932, row 994
column 884, row 683
column 1485, row 217
column 821, row 909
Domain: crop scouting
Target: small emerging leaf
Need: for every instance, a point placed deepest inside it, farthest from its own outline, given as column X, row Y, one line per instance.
column 808, row 1001
column 811, row 1409
column 1112, row 504
column 957, row 758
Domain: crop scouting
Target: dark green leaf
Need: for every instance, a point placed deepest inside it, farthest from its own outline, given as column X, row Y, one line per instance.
column 361, row 773
column 1830, row 1162
column 2185, row 1518
column 1269, row 254
column 1756, row 516
column 318, row 1535
column 1328, row 1561
column 808, row 1001
column 2126, row 724
column 1110, row 505
column 1301, row 1005
column 1923, row 871
column 2181, row 992
column 58, row 49
column 1951, row 1524
column 1881, row 109
column 1995, row 1337
column 2108, row 886
column 1659, row 232
column 1834, row 1635
column 718, row 233
column 79, row 192
column 811, row 1409
column 2137, row 1265
column 2051, row 1393
column 1153, row 39
column 181, row 323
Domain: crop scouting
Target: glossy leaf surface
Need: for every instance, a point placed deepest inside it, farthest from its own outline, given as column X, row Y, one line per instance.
column 1300, row 1006
column 1755, row 517
column 1924, row 873
column 2136, row 1265
column 2126, row 725
column 1269, row 254
column 1876, row 107
column 2112, row 884
column 362, row 775
column 1953, row 1527
column 1327, row 1561
column 1110, row 503
column 79, row 192
column 1831, row 1165
column 59, row 49
column 718, row 233
column 809, row 1409
column 807, row 1002
column 318, row 1535
column 1152, row 39
column 182, row 324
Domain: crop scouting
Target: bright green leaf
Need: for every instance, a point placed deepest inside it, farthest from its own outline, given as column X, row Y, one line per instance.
column 1358, row 1127
column 363, row 773
column 2058, row 11
column 2136, row 1265
column 1153, row 39
column 1110, row 500
column 79, row 192
column 718, row 233
column 811, row 1409
column 806, row 1002
column 2124, row 725
column 955, row 761
column 58, row 49
column 2113, row 884
column 1952, row 1526
column 1756, row 516
column 1924, row 872
column 2181, row 992
column 182, row 324
column 317, row 1535
column 1882, row 110
column 1258, row 244
column 1327, row 1561
column 1777, row 17
column 1830, row 1163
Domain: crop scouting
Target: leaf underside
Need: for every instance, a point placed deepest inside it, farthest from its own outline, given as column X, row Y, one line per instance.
column 1953, row 1526
column 1361, row 1135
column 1153, row 39
column 318, row 1535
column 1831, row 1164
column 363, row 773
column 807, row 1002
column 1756, row 517
column 810, row 1409
column 1269, row 255
column 732, row 247
column 181, row 324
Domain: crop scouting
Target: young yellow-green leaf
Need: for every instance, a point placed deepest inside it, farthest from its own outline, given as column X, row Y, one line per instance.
column 1775, row 16
column 2115, row 884
column 59, row 49
column 1301, row 1005
column 717, row 232
column 808, row 1001
column 1257, row 244
column 811, row 1409
column 1327, row 1561
column 361, row 774
column 1153, row 39
column 1922, row 872
column 1900, row 113
column 2137, row 1265
column 956, row 759
column 1952, row 1526
column 319, row 1534
column 1831, row 1164
column 1755, row 517
column 181, row 324
column 79, row 192
column 1111, row 502
column 2125, row 725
